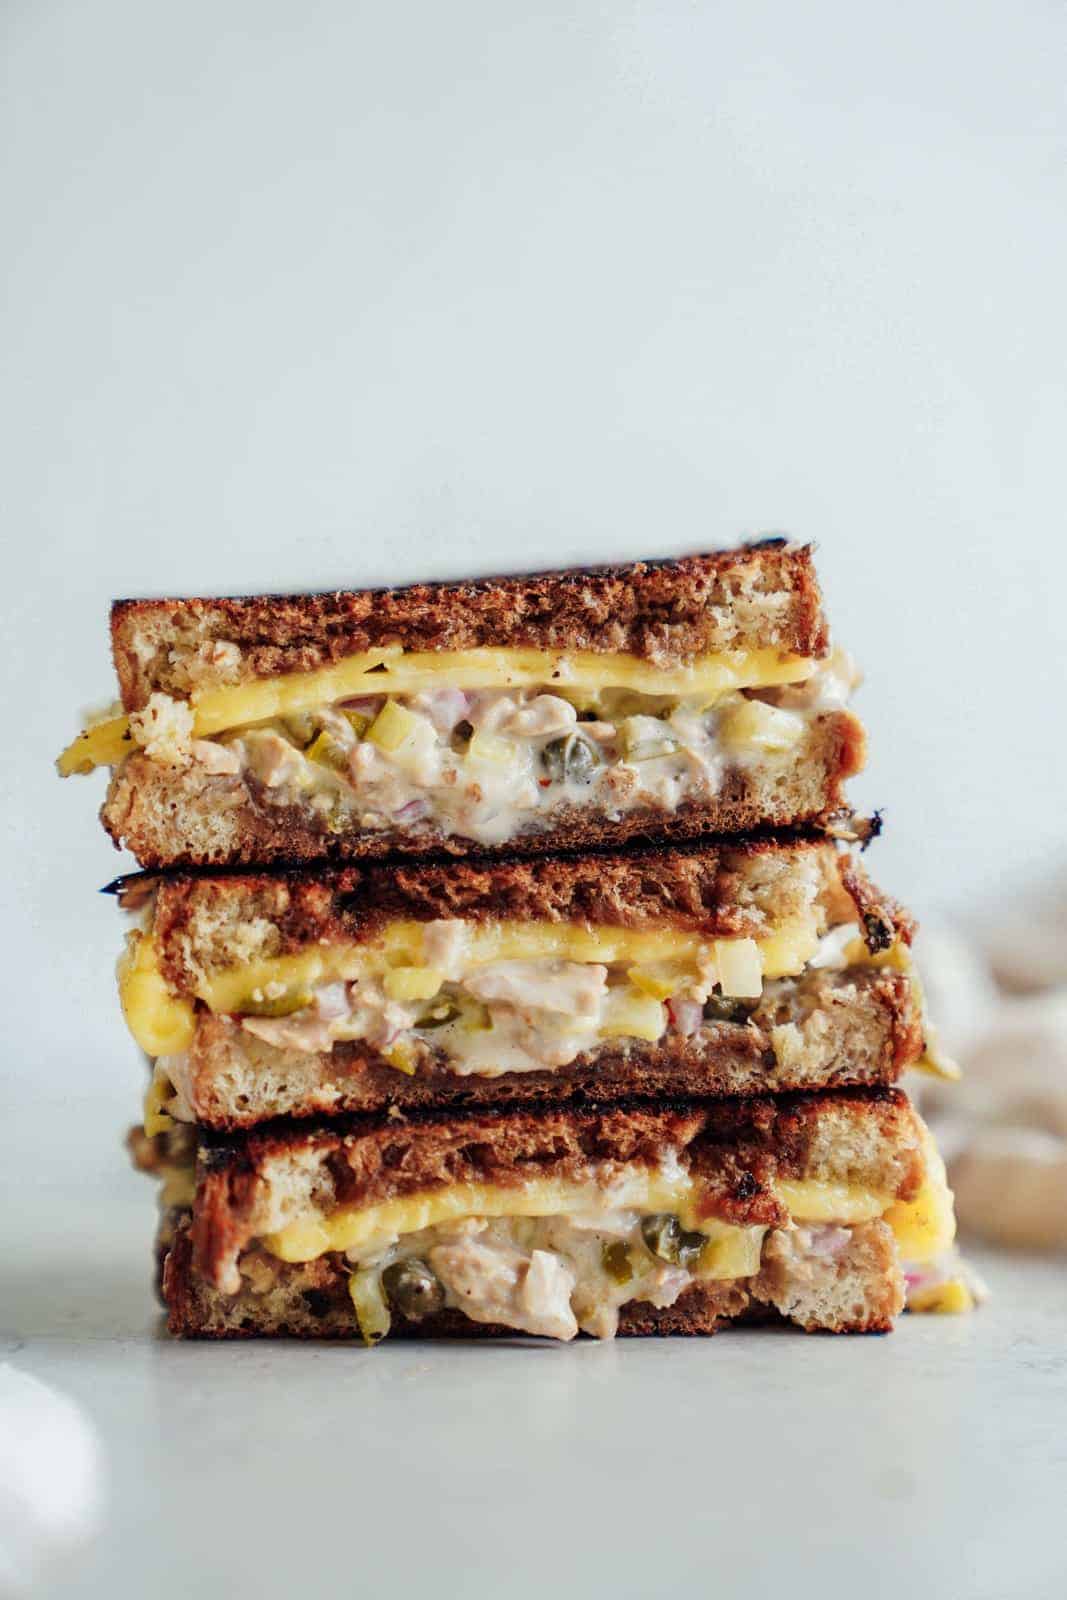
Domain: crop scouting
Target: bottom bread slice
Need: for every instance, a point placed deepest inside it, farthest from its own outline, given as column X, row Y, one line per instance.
column 857, row 1289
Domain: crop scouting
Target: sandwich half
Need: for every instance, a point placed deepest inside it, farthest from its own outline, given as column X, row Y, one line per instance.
column 561, row 710
column 555, row 1221
column 703, row 970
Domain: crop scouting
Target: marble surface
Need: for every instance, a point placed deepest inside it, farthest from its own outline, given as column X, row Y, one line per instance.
column 933, row 1461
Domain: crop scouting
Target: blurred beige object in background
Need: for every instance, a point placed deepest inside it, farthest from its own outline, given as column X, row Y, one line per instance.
column 1004, row 1126
column 1011, row 1188
column 1025, row 936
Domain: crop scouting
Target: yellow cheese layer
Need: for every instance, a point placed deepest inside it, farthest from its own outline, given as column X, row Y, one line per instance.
column 398, row 672
column 952, row 1298
column 923, row 1227
column 163, row 1024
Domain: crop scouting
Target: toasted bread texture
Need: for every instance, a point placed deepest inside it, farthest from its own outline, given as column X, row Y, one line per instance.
column 172, row 818
column 858, row 1291
column 858, row 1026
column 248, row 1187
column 666, row 612
column 208, row 924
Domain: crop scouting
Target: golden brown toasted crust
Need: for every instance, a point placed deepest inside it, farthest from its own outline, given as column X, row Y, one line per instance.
column 760, row 596
column 858, row 1026
column 738, row 1148
column 189, row 818
column 204, row 924
column 860, row 1292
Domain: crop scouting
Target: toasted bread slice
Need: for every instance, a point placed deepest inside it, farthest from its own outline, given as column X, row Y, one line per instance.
column 768, row 965
column 803, row 1204
column 763, row 596
column 564, row 710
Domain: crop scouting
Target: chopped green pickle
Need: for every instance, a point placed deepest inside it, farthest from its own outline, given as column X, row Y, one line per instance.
column 443, row 1012
column 282, row 1005
column 326, row 751
column 372, row 1312
column 664, row 1237
column 616, row 1260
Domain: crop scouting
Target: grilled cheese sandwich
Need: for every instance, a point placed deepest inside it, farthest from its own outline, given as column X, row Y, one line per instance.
column 260, row 996
column 702, row 692
column 555, row 1224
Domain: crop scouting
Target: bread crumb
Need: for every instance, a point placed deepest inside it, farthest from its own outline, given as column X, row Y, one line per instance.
column 164, row 730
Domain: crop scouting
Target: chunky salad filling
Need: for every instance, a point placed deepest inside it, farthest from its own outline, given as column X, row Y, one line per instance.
column 550, row 1276
column 485, row 1018
column 487, row 764
column 555, row 1276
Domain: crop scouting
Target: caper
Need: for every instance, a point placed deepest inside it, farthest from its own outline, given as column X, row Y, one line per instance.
column 724, row 1008
column 661, row 1233
column 412, row 1289
column 691, row 1248
column 615, row 1258
column 570, row 760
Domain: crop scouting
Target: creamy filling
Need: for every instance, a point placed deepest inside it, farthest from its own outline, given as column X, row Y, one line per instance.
column 556, row 1276
column 487, row 764
column 549, row 1276
column 490, row 1018
column 504, row 1016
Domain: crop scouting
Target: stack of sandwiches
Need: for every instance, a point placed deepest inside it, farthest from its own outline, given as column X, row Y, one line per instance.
column 504, row 963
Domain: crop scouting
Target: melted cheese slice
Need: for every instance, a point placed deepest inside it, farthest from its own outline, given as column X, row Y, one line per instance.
column 161, row 1022
column 923, row 1227
column 399, row 672
column 164, row 1023
column 364, row 1230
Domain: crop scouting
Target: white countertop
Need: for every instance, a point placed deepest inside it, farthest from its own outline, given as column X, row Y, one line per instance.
column 930, row 1462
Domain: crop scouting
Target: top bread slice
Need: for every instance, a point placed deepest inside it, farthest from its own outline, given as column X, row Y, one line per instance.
column 560, row 711
column 761, row 596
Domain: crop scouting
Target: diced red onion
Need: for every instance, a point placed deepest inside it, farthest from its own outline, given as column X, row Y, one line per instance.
column 412, row 811
column 367, row 706
column 686, row 1015
column 332, row 1001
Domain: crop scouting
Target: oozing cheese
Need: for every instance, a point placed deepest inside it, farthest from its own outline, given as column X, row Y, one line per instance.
column 397, row 672
column 163, row 1023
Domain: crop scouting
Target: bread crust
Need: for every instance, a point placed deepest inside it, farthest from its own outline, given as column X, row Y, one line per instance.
column 860, row 1293
column 209, row 923
column 169, row 818
column 738, row 1148
column 867, row 1030
column 763, row 595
